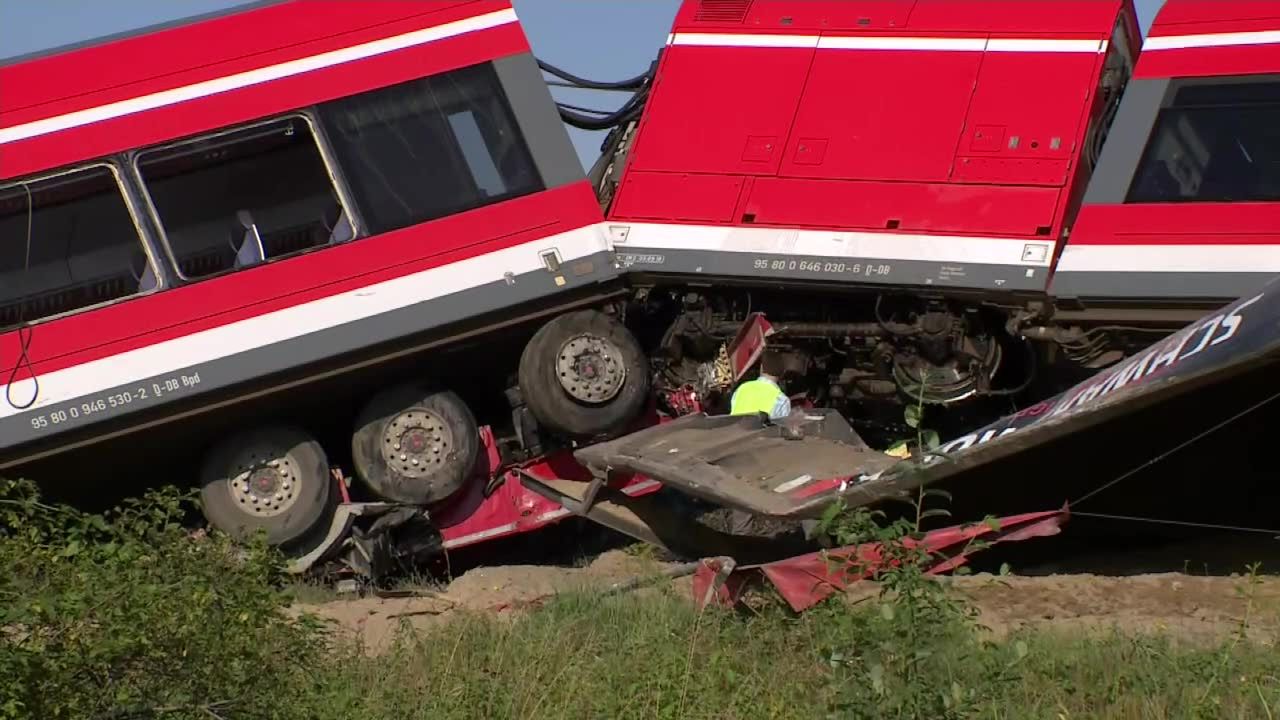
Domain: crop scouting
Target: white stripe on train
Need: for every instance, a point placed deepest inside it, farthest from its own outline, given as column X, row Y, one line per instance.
column 1223, row 258
column 834, row 244
column 306, row 318
column 967, row 44
column 248, row 78
column 961, row 249
column 876, row 42
column 318, row 315
column 208, row 345
column 1230, row 39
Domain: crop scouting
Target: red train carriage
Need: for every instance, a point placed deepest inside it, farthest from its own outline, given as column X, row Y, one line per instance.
column 216, row 211
column 950, row 200
column 961, row 201
column 926, row 143
column 1185, row 206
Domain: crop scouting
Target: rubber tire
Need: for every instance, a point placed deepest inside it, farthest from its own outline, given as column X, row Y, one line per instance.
column 559, row 412
column 372, row 469
column 315, row 504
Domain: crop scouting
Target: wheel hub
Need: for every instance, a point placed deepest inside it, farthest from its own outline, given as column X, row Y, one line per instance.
column 952, row 381
column 264, row 481
column 416, row 442
column 590, row 368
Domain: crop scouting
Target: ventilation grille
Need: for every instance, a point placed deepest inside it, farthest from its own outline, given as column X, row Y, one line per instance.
column 722, row 11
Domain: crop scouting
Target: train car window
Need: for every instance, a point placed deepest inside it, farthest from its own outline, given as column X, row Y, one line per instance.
column 239, row 198
column 68, row 242
column 429, row 148
column 1214, row 143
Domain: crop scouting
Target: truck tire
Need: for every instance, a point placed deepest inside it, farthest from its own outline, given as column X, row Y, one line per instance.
column 415, row 446
column 584, row 376
column 273, row 478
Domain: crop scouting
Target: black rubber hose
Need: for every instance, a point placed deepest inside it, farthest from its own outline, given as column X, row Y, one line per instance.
column 583, row 109
column 629, row 110
column 628, row 84
column 1026, row 383
column 622, row 115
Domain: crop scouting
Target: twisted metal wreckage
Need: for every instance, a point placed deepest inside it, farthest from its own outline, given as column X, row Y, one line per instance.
column 369, row 244
column 793, row 470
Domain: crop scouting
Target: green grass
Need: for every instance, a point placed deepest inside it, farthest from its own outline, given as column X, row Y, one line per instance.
column 126, row 617
column 653, row 656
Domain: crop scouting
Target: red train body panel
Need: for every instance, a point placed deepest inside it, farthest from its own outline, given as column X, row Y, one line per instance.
column 913, row 143
column 1185, row 205
column 212, row 76
column 942, row 144
column 215, row 210
column 128, row 323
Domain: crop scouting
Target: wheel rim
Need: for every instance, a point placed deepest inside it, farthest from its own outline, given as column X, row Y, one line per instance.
column 590, row 368
column 952, row 382
column 416, row 442
column 265, row 480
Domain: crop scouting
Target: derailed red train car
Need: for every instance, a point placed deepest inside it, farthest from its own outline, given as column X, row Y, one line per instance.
column 1185, row 203
column 960, row 202
column 964, row 202
column 217, row 214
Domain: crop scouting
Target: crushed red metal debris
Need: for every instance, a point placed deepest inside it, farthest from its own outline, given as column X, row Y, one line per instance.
column 805, row 580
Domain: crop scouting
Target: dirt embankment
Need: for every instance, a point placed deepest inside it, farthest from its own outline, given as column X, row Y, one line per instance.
column 1192, row 608
column 1197, row 609
column 501, row 590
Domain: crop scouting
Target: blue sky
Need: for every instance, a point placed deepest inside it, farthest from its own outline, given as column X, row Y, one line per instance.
column 596, row 39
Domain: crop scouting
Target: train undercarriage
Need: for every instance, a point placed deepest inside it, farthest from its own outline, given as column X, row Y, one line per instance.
column 373, row 471
column 872, row 354
column 670, row 478
column 434, row 352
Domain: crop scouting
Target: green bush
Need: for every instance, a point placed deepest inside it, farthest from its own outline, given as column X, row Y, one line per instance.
column 127, row 615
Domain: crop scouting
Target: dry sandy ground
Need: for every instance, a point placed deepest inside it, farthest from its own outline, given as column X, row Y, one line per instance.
column 1192, row 608
column 501, row 590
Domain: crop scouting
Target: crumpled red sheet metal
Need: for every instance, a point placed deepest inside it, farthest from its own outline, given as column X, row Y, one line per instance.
column 805, row 580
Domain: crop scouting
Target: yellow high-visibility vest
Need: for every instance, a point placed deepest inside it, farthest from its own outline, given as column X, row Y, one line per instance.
column 760, row 395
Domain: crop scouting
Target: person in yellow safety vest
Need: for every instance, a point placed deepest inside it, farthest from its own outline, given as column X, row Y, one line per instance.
column 761, row 395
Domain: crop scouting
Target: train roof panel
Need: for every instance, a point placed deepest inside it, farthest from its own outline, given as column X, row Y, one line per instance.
column 261, row 30
column 1043, row 17
column 1212, row 15
column 1212, row 38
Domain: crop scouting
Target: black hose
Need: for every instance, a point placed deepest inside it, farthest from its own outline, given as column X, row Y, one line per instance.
column 875, row 310
column 25, row 330
column 580, row 108
column 629, row 110
column 584, row 122
column 628, row 84
column 1031, row 375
